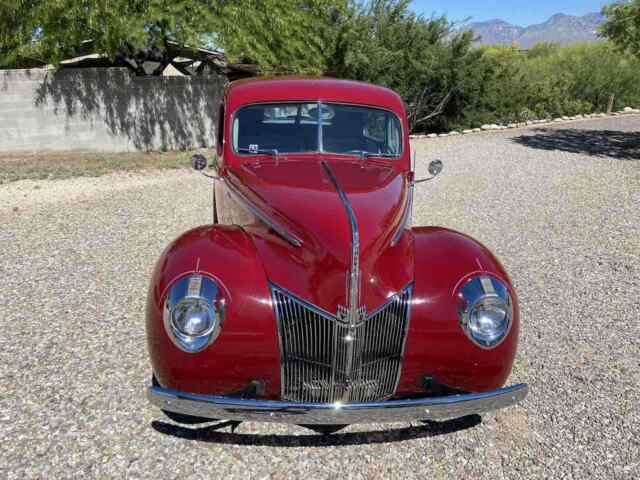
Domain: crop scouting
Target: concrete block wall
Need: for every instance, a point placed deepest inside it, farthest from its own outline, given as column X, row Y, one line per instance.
column 106, row 110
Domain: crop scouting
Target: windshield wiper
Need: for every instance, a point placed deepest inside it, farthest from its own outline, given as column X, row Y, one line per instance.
column 363, row 154
column 260, row 151
column 380, row 155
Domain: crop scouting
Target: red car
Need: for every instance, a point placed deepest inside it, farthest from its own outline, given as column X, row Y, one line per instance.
column 311, row 299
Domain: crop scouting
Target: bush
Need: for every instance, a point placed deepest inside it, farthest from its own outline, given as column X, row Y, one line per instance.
column 550, row 81
column 447, row 84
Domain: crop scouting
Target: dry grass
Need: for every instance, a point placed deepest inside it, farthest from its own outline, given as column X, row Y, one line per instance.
column 56, row 165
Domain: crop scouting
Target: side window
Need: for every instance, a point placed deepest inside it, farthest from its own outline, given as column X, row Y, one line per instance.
column 383, row 129
column 374, row 127
column 394, row 140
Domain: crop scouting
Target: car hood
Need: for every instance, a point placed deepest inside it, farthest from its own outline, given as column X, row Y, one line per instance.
column 301, row 196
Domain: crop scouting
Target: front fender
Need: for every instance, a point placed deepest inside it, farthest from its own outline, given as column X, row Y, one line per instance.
column 436, row 345
column 247, row 347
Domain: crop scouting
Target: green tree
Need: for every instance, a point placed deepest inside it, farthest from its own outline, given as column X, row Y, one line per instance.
column 622, row 26
column 384, row 42
column 506, row 90
column 275, row 34
column 282, row 36
column 136, row 30
column 15, row 29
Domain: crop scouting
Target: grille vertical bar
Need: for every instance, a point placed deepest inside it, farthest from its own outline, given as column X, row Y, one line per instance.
column 317, row 364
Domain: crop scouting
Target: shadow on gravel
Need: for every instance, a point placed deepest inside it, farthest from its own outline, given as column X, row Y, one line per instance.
column 600, row 143
column 211, row 434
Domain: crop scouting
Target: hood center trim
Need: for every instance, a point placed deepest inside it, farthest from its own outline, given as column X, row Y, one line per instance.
column 352, row 314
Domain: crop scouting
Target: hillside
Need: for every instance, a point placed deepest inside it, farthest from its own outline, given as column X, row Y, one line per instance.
column 560, row 28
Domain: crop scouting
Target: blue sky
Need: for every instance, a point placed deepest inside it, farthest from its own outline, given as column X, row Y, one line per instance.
column 519, row 12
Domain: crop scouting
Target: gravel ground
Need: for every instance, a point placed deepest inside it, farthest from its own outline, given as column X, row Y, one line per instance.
column 558, row 206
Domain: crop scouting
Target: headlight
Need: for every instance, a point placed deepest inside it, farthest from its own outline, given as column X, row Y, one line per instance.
column 193, row 317
column 488, row 312
column 193, row 313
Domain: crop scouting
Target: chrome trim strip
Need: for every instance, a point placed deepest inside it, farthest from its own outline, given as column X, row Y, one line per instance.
column 320, row 127
column 310, row 306
column 436, row 408
column 406, row 216
column 352, row 315
column 265, row 218
column 407, row 289
column 405, row 334
column 353, row 291
column 277, row 309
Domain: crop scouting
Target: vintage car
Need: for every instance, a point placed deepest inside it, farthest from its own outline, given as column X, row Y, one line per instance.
column 311, row 299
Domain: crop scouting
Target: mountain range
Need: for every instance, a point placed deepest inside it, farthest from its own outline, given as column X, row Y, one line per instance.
column 560, row 28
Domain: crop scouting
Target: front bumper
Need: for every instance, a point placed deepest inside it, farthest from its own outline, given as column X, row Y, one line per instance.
column 437, row 408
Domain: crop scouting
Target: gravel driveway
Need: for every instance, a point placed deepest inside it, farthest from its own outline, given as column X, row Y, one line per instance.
column 559, row 206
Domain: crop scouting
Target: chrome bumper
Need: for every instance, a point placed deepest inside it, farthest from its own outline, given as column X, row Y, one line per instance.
column 438, row 408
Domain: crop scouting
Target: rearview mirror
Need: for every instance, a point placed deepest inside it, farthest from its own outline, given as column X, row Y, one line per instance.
column 435, row 168
column 198, row 162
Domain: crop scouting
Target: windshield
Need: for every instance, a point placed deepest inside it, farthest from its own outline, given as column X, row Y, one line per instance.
column 295, row 128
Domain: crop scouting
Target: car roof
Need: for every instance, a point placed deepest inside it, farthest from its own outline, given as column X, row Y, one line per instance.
column 275, row 89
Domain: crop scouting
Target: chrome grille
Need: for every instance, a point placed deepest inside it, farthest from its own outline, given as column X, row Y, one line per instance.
column 325, row 360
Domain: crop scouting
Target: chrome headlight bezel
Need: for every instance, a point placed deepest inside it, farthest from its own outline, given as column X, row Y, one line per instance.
column 189, row 292
column 484, row 291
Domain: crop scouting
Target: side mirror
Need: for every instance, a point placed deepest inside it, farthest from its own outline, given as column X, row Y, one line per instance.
column 435, row 168
column 198, row 162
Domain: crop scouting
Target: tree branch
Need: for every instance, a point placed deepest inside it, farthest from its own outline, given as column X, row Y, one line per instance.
column 438, row 110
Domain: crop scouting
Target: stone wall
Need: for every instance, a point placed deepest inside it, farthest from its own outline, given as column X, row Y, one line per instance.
column 106, row 110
